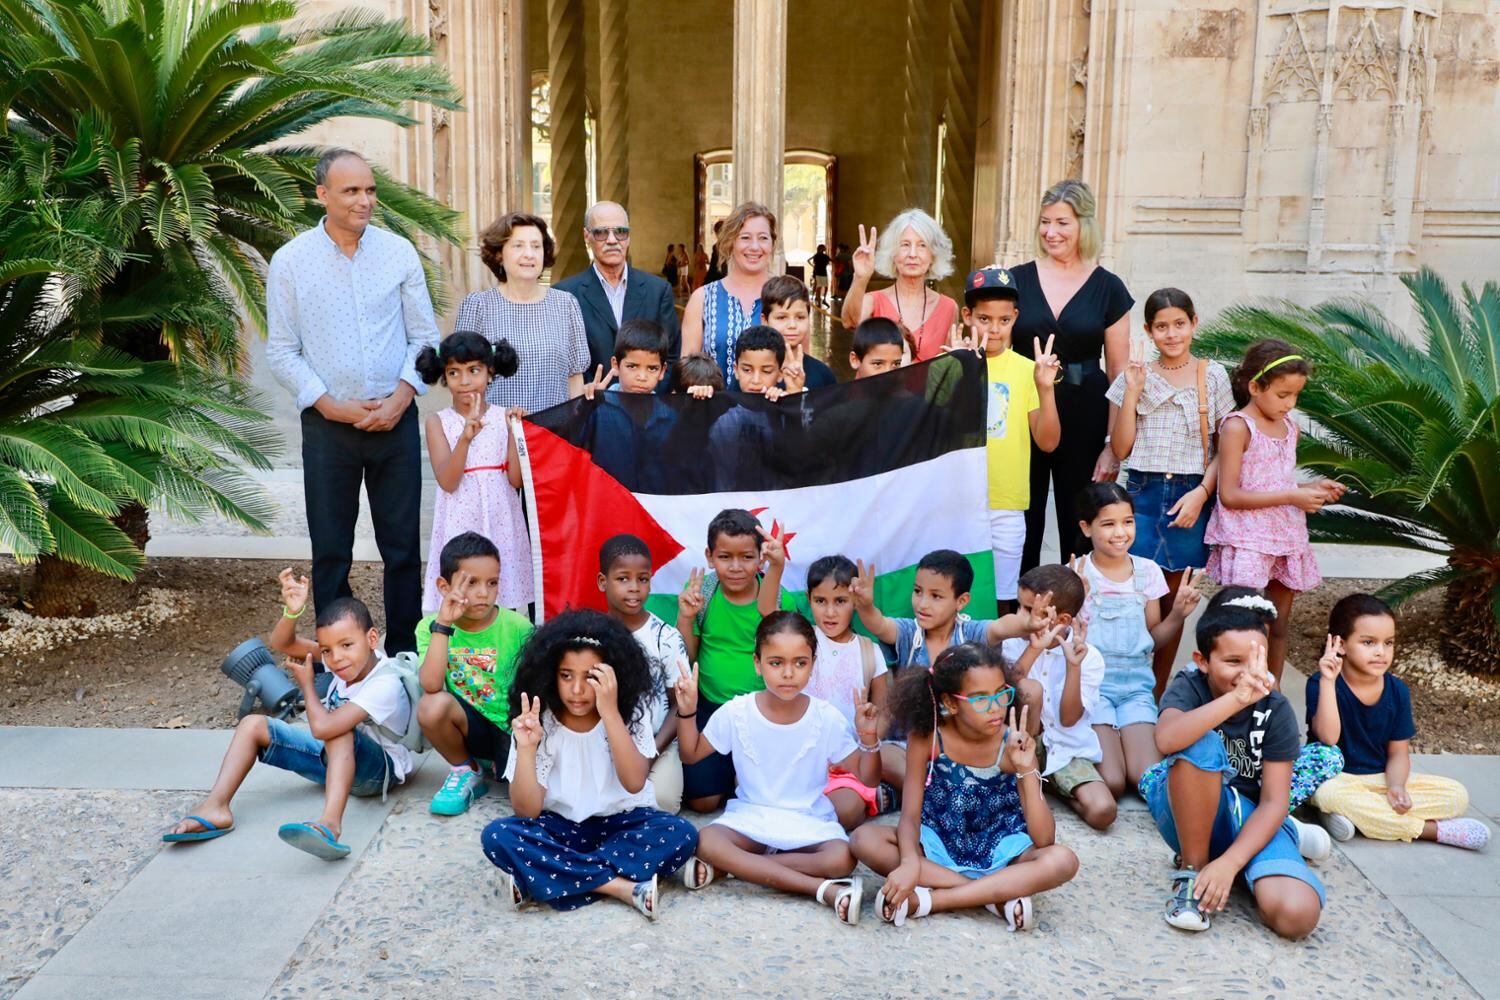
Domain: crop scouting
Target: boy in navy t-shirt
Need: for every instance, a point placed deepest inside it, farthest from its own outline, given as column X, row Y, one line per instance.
column 1355, row 704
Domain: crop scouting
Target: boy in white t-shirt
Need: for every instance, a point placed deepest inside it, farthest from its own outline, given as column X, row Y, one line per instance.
column 625, row 579
column 352, row 743
column 1070, row 671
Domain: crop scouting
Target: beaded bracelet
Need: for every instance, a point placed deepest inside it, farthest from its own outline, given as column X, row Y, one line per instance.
column 291, row 617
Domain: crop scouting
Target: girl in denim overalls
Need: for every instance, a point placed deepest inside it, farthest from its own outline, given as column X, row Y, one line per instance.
column 1126, row 625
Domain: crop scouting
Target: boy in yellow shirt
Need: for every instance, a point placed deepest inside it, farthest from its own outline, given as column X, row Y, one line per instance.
column 1020, row 393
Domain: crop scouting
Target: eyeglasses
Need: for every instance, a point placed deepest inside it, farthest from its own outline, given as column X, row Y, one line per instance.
column 621, row 233
column 992, row 702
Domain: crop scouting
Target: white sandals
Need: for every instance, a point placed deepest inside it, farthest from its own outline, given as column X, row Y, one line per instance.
column 853, row 891
column 1014, row 921
column 898, row 917
column 645, row 897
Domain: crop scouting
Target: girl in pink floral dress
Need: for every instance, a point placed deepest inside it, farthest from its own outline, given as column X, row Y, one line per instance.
column 1259, row 526
column 474, row 460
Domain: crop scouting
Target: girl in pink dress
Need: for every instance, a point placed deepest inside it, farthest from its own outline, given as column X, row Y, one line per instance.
column 474, row 460
column 1259, row 526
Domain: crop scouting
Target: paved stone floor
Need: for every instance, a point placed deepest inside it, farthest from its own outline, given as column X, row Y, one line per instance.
column 93, row 907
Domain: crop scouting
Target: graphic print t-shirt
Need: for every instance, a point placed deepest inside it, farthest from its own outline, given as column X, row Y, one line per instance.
column 1012, row 397
column 1266, row 730
column 482, row 664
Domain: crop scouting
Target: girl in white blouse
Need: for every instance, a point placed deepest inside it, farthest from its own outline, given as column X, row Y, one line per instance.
column 586, row 823
column 780, row 830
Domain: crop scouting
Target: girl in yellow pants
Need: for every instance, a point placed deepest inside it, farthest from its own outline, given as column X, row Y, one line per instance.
column 1354, row 703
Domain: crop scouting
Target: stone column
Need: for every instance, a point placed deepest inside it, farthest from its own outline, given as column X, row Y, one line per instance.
column 565, row 74
column 479, row 159
column 918, row 155
column 760, row 102
column 614, row 101
column 960, row 98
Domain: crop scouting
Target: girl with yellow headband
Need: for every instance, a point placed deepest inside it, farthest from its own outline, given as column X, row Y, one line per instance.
column 1259, row 526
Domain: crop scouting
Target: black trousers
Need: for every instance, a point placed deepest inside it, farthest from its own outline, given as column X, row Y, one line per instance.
column 336, row 459
column 1083, row 413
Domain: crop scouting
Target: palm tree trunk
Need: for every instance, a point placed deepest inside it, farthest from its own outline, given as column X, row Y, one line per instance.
column 62, row 589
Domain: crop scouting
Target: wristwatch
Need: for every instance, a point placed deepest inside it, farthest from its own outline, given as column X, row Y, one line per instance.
column 438, row 628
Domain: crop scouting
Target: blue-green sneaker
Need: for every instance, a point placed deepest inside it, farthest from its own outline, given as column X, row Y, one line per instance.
column 458, row 793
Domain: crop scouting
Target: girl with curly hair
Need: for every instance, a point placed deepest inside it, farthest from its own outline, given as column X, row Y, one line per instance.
column 586, row 823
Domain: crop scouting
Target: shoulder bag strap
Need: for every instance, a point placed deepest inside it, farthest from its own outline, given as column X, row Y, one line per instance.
column 1203, row 409
column 867, row 660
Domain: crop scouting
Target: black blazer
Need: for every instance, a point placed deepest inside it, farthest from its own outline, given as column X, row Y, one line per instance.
column 647, row 296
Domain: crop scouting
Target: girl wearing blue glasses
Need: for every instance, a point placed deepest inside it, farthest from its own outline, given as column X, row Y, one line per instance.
column 974, row 830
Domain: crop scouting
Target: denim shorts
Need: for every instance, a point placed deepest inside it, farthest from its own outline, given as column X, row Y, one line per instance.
column 295, row 749
column 1280, row 856
column 1173, row 549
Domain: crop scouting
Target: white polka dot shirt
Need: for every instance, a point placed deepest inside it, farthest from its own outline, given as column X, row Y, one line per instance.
column 350, row 328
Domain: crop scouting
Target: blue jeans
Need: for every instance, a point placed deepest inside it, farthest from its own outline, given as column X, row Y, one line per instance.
column 1173, row 549
column 299, row 751
column 1279, row 856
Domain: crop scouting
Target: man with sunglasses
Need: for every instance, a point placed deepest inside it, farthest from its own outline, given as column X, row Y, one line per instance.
column 610, row 291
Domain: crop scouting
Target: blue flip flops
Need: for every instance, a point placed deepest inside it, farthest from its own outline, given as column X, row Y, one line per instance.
column 314, row 838
column 209, row 832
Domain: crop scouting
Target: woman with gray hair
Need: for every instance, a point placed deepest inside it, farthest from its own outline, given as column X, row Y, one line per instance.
column 914, row 251
column 1065, row 294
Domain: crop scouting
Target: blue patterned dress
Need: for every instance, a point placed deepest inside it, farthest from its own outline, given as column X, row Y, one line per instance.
column 971, row 816
column 724, row 318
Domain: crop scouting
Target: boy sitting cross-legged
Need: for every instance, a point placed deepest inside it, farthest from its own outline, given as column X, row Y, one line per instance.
column 940, row 592
column 352, row 743
column 1220, row 796
column 1070, row 671
column 717, row 615
column 468, row 650
column 625, row 580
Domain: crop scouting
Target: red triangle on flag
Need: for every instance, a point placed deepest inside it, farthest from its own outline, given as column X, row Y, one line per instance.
column 579, row 507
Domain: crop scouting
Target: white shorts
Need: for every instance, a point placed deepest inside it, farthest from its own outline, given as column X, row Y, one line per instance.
column 820, row 282
column 1007, row 537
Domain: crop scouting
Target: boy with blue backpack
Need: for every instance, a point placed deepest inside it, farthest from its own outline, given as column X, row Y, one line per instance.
column 359, row 737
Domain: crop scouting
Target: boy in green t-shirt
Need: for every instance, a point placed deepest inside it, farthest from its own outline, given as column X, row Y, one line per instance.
column 717, row 616
column 1020, row 393
column 468, row 650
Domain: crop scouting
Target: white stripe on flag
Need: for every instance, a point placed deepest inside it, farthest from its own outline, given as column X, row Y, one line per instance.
column 894, row 518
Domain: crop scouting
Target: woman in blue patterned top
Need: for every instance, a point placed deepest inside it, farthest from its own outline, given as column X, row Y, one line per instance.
column 717, row 313
column 974, row 828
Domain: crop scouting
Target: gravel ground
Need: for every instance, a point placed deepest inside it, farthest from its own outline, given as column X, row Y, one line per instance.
column 419, row 917
column 63, row 855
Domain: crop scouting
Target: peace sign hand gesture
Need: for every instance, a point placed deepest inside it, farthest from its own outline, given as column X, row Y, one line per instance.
column 1135, row 368
column 961, row 338
column 773, row 544
column 792, row 372
column 526, row 728
column 1076, row 645
column 1047, row 370
column 690, row 601
column 1188, row 594
column 1020, row 745
column 863, row 257
column 602, row 379
column 455, row 599
column 473, row 418
column 862, row 587
column 1255, row 681
column 1331, row 664
column 686, row 689
column 866, row 719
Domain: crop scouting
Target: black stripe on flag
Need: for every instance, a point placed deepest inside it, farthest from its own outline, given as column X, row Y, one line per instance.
column 738, row 442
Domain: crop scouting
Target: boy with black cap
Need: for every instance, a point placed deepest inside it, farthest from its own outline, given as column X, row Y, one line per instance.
column 1019, row 390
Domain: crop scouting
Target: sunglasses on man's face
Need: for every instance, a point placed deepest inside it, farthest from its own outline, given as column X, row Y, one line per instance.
column 601, row 233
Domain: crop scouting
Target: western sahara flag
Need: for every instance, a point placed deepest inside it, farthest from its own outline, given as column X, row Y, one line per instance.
column 884, row 469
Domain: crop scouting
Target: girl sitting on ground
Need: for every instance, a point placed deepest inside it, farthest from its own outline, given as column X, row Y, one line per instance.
column 780, row 830
column 975, row 829
column 586, row 823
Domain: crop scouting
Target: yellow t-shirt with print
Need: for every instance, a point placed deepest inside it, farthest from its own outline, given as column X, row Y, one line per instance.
column 1012, row 397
